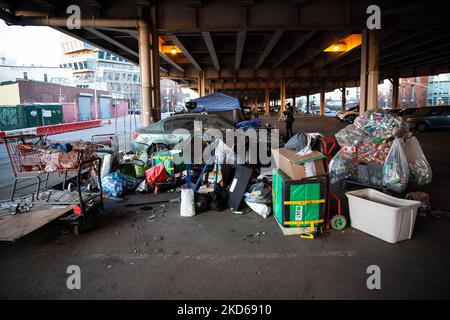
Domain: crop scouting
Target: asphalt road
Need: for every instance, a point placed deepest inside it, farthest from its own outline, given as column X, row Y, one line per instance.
column 123, row 124
column 139, row 253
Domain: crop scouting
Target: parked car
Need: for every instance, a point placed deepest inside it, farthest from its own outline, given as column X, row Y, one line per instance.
column 407, row 112
column 180, row 109
column 161, row 132
column 429, row 118
column 348, row 115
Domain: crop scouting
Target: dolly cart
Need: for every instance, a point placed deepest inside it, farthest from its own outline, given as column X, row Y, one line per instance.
column 338, row 222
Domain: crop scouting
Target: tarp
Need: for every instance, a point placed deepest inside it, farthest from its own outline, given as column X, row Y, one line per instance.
column 216, row 102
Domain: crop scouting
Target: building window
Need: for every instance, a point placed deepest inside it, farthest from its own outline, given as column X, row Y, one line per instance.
column 412, row 93
column 25, row 75
column 45, row 77
column 404, row 95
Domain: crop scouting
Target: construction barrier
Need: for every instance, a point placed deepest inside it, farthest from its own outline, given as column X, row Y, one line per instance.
column 52, row 129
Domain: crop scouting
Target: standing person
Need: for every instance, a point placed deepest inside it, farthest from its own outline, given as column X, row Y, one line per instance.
column 289, row 119
column 255, row 112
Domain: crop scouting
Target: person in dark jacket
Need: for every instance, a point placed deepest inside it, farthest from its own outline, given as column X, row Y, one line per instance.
column 289, row 119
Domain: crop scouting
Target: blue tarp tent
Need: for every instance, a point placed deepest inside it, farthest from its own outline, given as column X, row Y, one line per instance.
column 216, row 102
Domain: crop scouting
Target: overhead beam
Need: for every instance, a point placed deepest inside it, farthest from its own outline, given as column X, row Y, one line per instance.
column 430, row 59
column 212, row 50
column 112, row 41
column 240, row 42
column 268, row 49
column 390, row 44
column 186, row 52
column 132, row 32
column 170, row 61
column 409, row 51
column 297, row 44
column 318, row 49
column 44, row 4
column 92, row 3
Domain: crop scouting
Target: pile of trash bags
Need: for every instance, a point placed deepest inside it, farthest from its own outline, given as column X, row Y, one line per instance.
column 117, row 184
column 378, row 149
column 259, row 198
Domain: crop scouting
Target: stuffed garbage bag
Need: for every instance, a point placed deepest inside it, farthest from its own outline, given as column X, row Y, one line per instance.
column 420, row 173
column 396, row 168
column 156, row 174
column 341, row 169
column 114, row 185
column 259, row 199
column 187, row 206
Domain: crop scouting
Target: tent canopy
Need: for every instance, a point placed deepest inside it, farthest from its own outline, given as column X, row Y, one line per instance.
column 216, row 102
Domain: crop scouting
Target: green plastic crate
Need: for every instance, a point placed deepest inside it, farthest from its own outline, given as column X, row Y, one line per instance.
column 299, row 202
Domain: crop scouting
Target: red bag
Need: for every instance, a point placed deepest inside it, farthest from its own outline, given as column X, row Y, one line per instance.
column 156, row 174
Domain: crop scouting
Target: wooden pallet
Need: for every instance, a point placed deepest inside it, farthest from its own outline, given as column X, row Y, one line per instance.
column 13, row 227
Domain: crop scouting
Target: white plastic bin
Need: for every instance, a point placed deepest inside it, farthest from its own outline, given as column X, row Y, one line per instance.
column 388, row 218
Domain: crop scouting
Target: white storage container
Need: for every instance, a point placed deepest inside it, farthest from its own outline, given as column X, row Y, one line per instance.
column 388, row 218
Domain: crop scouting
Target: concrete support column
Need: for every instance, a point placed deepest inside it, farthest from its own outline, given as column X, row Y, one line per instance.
column 307, row 102
column 293, row 99
column 374, row 74
column 283, row 95
column 322, row 99
column 344, row 97
column 267, row 100
column 201, row 83
column 156, row 110
column 363, row 75
column 395, row 85
column 369, row 70
column 146, row 75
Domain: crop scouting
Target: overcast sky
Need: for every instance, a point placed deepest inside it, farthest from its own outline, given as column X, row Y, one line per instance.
column 30, row 45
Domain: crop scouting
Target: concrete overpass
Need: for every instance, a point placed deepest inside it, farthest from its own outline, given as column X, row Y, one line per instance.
column 262, row 49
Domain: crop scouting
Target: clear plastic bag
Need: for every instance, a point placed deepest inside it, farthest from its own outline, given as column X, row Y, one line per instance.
column 349, row 136
column 259, row 192
column 420, row 173
column 396, row 168
column 381, row 125
column 341, row 169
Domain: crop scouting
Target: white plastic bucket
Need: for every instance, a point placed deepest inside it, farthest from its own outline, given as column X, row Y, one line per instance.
column 380, row 215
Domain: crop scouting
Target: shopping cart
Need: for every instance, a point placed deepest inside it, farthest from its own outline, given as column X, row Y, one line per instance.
column 37, row 161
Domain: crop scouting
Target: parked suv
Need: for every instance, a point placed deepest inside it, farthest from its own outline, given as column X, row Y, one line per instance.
column 429, row 118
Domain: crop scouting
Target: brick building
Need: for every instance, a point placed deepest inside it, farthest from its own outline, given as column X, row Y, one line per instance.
column 413, row 92
column 78, row 103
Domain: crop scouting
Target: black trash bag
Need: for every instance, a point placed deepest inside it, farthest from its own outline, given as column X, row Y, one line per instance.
column 218, row 199
column 201, row 202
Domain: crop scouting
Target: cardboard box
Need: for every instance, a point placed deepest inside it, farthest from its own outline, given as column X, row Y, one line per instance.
column 297, row 167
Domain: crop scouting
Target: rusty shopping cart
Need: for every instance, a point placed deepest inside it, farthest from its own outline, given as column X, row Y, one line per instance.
column 37, row 161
